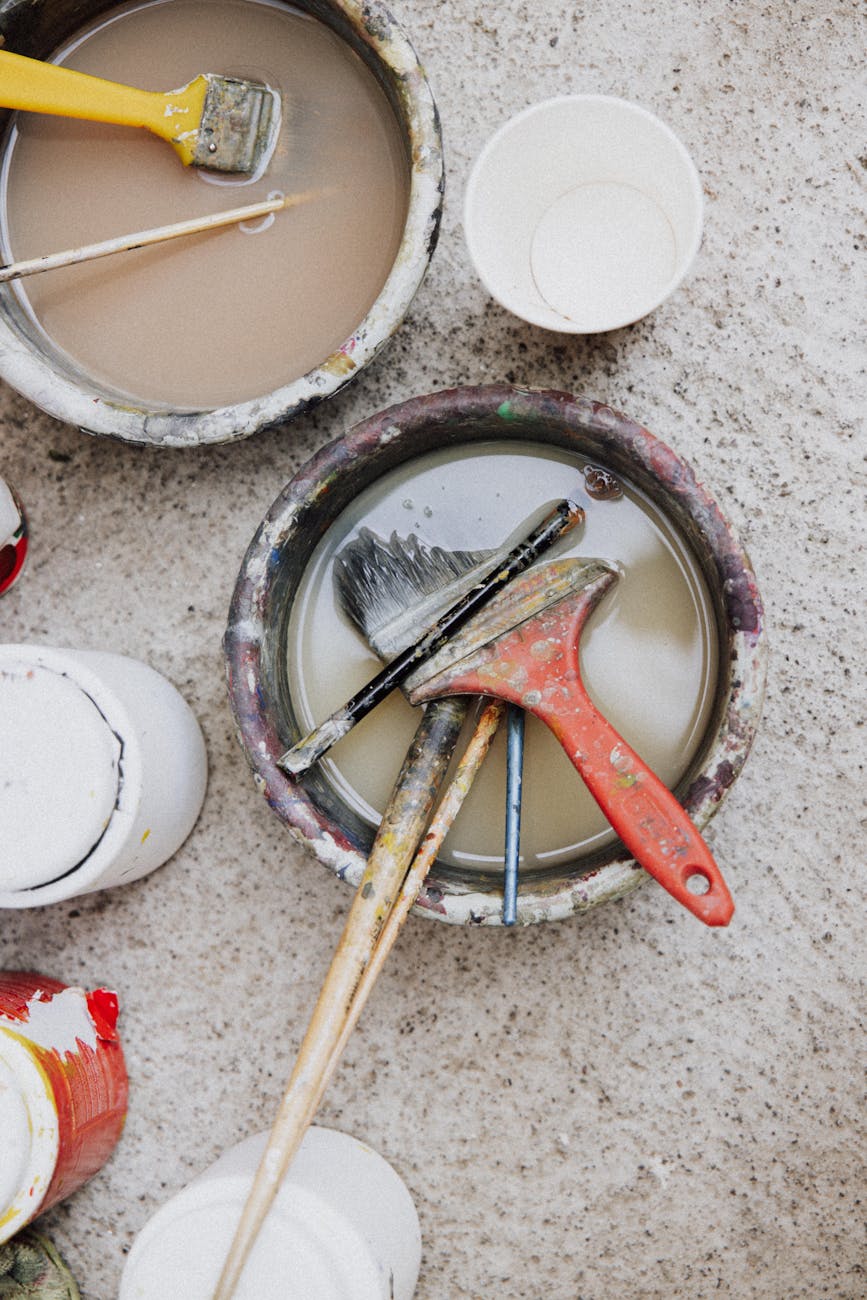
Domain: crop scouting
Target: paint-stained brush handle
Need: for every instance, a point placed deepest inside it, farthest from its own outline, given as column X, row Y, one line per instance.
column 448, row 809
column 535, row 663
column 403, row 825
column 565, row 516
column 656, row 830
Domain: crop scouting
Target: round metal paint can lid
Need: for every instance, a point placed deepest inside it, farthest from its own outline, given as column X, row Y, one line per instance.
column 305, row 1249
column 60, row 775
column 29, row 1134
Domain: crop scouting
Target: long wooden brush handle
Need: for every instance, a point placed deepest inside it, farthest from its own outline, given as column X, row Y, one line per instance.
column 155, row 235
column 449, row 807
column 403, row 825
column 565, row 516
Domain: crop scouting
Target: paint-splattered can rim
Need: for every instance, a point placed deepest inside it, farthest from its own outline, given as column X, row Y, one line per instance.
column 327, row 483
column 49, row 380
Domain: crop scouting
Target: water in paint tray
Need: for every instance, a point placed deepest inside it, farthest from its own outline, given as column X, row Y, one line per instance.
column 648, row 654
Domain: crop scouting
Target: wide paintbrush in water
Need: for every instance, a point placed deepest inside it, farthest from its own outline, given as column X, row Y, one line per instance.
column 221, row 123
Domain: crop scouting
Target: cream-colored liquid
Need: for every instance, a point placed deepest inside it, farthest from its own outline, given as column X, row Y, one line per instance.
column 648, row 653
column 219, row 318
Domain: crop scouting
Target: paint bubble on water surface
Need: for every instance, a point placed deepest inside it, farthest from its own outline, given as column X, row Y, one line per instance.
column 601, row 484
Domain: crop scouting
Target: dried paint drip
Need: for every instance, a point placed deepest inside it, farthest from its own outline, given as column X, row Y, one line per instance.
column 63, row 1091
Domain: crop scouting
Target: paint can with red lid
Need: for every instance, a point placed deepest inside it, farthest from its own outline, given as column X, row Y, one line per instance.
column 63, row 1091
column 13, row 536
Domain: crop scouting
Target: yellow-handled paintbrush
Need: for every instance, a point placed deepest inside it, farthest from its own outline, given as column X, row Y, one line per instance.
column 221, row 123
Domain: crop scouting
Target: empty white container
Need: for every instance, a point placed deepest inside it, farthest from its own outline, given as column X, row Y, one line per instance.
column 102, row 772
column 342, row 1227
column 583, row 213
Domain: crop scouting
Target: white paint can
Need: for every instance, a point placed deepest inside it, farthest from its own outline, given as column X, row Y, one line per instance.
column 342, row 1227
column 102, row 772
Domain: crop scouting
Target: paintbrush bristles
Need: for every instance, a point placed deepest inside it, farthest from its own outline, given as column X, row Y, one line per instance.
column 393, row 590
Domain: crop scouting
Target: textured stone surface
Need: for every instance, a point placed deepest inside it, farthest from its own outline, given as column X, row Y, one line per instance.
column 625, row 1106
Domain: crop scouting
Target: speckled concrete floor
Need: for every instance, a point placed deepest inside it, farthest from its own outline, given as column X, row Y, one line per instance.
column 626, row 1106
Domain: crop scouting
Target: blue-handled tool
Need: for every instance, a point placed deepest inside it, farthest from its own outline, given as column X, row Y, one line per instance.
column 514, row 785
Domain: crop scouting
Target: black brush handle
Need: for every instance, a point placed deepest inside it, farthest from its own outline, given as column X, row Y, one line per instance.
column 565, row 516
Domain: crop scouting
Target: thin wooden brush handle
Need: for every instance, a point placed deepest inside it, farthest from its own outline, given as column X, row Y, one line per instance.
column 154, row 235
column 450, row 805
column 565, row 516
column 403, row 825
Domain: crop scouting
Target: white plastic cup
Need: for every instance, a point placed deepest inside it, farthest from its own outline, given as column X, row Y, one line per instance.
column 342, row 1227
column 583, row 213
column 102, row 772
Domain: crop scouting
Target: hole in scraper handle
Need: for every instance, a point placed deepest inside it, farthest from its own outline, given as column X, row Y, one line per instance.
column 697, row 882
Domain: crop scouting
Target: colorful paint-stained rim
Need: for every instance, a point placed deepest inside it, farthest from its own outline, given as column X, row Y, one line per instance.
column 57, row 386
column 330, row 480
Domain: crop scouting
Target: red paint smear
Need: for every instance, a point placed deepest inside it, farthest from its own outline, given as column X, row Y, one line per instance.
column 90, row 1088
column 103, row 1007
column 12, row 559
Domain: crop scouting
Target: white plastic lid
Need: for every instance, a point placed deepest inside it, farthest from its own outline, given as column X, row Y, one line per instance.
column 28, row 1134
column 305, row 1250
column 59, row 775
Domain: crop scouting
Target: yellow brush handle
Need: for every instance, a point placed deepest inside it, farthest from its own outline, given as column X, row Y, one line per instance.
column 45, row 88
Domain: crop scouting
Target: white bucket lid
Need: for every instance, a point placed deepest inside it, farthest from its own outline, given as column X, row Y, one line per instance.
column 60, row 774
column 305, row 1250
column 29, row 1136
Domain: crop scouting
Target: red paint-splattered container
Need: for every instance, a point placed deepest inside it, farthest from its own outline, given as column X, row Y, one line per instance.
column 63, row 1091
column 13, row 537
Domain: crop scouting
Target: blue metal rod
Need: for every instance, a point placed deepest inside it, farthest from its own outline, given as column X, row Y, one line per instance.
column 514, row 782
